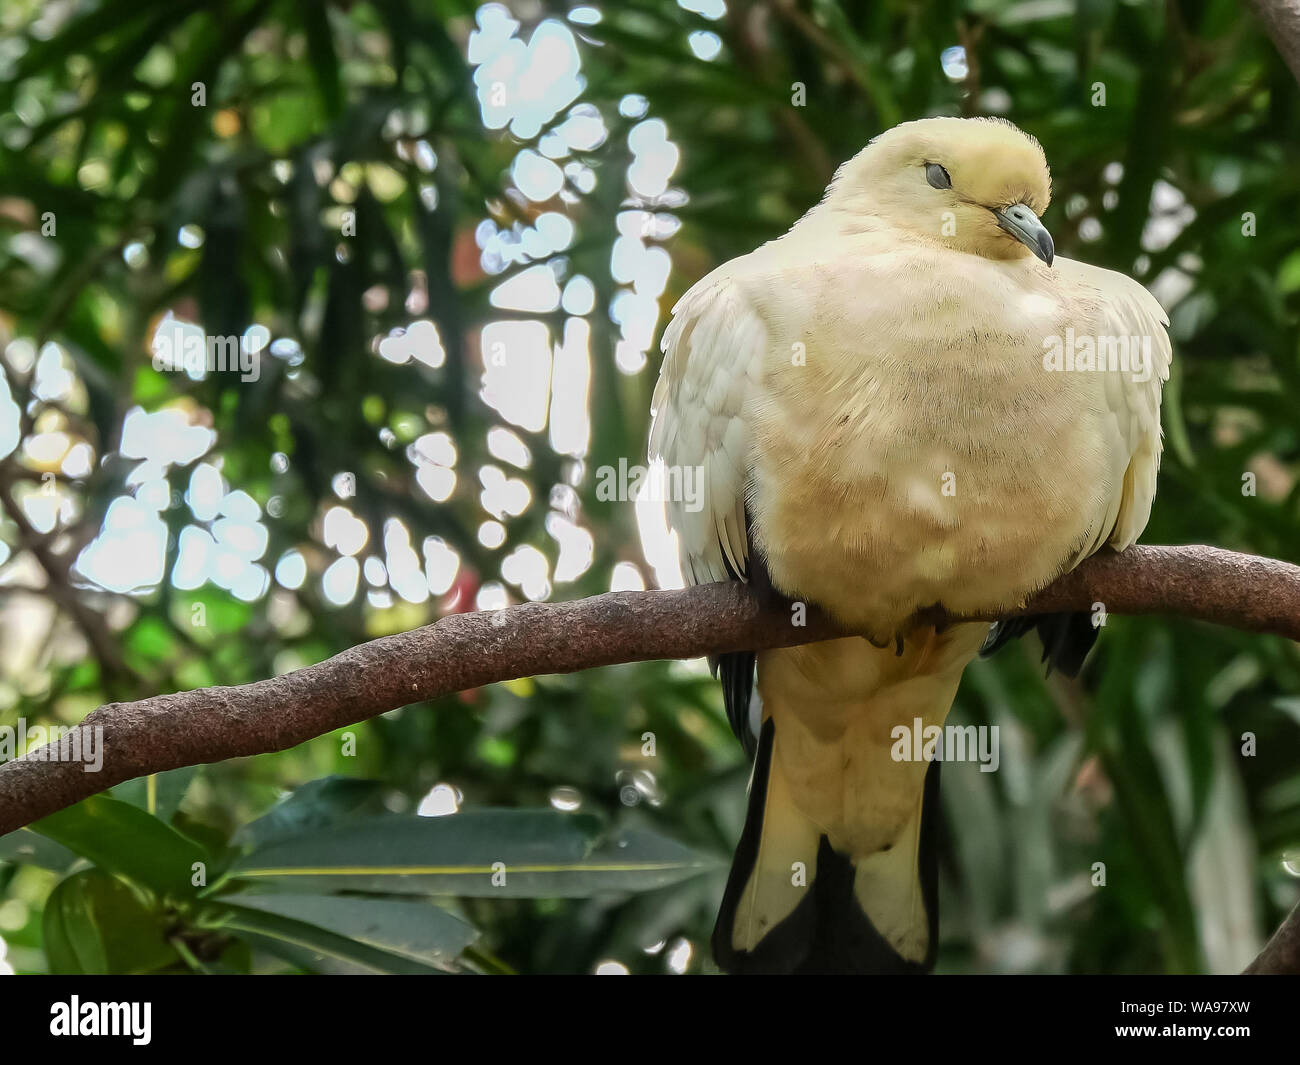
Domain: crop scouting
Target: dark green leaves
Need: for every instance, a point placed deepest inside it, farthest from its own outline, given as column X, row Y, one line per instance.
column 356, row 928
column 327, row 884
column 485, row 853
column 124, row 839
column 95, row 923
column 315, row 805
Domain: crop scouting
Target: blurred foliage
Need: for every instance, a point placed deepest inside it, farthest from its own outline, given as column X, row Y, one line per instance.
column 1141, row 766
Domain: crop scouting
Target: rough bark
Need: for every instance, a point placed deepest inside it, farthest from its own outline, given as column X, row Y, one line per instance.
column 469, row 650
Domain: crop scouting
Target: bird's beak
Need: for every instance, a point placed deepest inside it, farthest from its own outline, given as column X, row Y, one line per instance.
column 1024, row 225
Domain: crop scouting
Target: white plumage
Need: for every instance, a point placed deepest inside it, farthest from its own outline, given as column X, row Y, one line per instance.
column 873, row 387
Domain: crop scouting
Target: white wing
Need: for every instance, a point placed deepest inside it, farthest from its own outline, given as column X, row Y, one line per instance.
column 1129, row 310
column 713, row 350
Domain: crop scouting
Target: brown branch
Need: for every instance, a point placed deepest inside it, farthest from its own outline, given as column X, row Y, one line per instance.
column 1281, row 19
column 1281, row 954
column 469, row 650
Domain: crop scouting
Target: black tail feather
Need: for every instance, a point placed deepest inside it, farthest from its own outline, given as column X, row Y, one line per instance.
column 827, row 932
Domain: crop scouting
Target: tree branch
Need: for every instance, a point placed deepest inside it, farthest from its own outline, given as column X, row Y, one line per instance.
column 469, row 650
column 1281, row 19
column 1281, row 954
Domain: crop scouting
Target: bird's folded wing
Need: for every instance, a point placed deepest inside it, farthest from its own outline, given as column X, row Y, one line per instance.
column 1127, row 310
column 713, row 351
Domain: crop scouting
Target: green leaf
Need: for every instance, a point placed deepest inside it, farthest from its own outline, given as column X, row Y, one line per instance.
column 312, row 947
column 315, row 805
column 1289, row 706
column 285, row 120
column 123, row 839
column 73, row 944
column 60, row 953
column 488, row 853
column 109, row 927
column 26, row 847
column 413, row 929
column 159, row 793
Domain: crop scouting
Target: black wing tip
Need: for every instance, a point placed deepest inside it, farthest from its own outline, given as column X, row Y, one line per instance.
column 1067, row 638
column 736, row 671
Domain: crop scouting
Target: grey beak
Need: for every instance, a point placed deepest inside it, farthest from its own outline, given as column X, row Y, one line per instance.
column 1024, row 225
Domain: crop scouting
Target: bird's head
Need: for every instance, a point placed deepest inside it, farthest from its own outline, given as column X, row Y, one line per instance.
column 976, row 185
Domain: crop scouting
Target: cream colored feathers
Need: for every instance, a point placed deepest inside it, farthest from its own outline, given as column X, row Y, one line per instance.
column 878, row 391
column 890, row 349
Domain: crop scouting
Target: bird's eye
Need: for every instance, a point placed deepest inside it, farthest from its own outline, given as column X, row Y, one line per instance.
column 937, row 176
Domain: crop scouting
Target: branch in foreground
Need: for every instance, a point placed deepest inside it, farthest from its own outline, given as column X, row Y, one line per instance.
column 1281, row 19
column 1281, row 954
column 470, row 650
